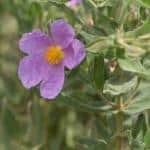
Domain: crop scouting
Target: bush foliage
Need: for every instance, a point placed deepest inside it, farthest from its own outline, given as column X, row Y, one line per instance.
column 105, row 101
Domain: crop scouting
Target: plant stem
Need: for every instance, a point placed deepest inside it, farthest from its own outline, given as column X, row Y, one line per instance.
column 46, row 124
column 119, row 127
column 146, row 114
column 119, row 121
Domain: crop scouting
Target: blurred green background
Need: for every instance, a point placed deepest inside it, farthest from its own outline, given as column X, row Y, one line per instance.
column 27, row 122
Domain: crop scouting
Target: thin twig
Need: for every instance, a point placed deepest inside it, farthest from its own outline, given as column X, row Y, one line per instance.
column 105, row 99
column 119, row 125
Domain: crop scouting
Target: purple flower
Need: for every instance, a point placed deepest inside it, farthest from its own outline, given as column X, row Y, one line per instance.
column 47, row 56
column 73, row 3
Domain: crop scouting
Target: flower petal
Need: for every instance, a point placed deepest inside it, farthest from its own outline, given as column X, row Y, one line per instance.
column 51, row 87
column 34, row 42
column 62, row 33
column 73, row 2
column 31, row 70
column 74, row 54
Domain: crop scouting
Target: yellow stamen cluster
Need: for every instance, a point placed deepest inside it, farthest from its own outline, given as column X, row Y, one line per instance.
column 54, row 55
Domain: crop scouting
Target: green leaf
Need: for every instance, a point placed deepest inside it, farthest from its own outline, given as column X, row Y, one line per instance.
column 143, row 29
column 103, row 131
column 10, row 124
column 144, row 3
column 35, row 10
column 36, row 126
column 58, row 2
column 117, row 89
column 137, row 126
column 137, row 145
column 93, row 144
column 81, row 106
column 140, row 103
column 65, row 9
column 89, row 38
column 10, row 128
column 120, row 11
column 134, row 66
column 147, row 139
column 99, row 69
column 97, row 46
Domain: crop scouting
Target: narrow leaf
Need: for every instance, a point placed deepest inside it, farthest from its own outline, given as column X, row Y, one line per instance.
column 143, row 29
column 81, row 106
column 99, row 72
column 134, row 66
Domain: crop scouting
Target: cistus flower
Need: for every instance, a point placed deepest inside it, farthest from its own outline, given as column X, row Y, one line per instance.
column 47, row 56
column 73, row 3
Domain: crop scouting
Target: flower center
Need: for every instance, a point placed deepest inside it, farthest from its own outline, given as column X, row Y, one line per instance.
column 54, row 55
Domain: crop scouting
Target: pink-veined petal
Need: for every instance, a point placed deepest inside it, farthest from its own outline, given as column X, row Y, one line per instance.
column 52, row 86
column 34, row 42
column 73, row 2
column 31, row 70
column 74, row 54
column 62, row 33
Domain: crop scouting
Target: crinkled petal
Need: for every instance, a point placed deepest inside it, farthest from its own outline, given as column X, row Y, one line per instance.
column 31, row 70
column 34, row 42
column 74, row 54
column 52, row 86
column 62, row 33
column 73, row 2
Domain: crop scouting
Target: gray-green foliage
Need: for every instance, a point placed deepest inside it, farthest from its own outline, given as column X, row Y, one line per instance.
column 105, row 101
